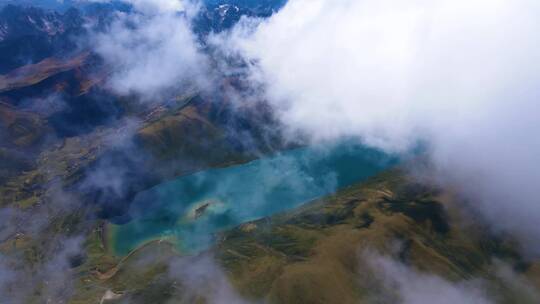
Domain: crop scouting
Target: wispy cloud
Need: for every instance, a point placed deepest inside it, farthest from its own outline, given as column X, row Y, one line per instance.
column 153, row 49
column 400, row 283
column 203, row 279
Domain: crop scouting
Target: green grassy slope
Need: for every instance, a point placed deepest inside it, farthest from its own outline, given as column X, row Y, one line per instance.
column 314, row 255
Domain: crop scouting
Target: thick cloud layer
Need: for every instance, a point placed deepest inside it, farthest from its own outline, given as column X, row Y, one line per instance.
column 460, row 76
column 153, row 49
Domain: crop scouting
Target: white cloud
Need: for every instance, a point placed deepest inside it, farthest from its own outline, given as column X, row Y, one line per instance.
column 160, row 5
column 153, row 49
column 462, row 76
column 156, row 6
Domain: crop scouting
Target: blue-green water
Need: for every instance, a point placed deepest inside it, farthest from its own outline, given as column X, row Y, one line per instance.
column 234, row 195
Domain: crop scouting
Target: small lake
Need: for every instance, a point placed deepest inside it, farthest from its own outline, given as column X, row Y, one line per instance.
column 192, row 208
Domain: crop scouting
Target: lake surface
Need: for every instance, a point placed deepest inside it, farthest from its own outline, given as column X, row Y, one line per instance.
column 192, row 208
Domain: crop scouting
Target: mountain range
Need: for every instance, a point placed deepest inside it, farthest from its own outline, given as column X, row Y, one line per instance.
column 76, row 155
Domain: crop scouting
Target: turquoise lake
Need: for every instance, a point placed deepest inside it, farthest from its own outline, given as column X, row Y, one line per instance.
column 192, row 208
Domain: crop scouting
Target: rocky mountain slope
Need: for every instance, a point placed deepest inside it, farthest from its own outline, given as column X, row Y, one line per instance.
column 29, row 35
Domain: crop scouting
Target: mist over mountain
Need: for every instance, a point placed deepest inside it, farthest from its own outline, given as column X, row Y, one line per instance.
column 30, row 32
column 269, row 151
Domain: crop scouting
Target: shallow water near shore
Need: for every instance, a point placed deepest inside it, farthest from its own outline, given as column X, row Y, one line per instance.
column 192, row 208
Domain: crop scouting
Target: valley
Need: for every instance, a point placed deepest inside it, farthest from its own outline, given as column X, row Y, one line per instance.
column 207, row 179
